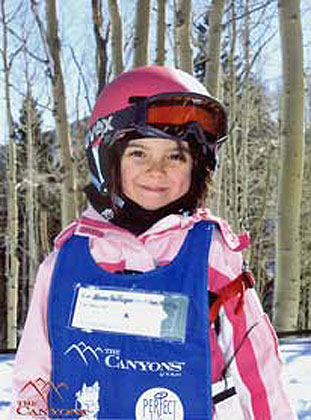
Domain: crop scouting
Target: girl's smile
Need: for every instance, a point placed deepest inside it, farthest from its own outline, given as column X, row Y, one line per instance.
column 155, row 172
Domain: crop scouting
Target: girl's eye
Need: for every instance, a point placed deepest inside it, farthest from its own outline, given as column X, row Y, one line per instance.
column 136, row 153
column 177, row 156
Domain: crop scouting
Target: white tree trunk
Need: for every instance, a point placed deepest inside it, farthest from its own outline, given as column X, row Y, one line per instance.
column 183, row 36
column 101, row 40
column 213, row 47
column 141, row 38
column 212, row 82
column 232, row 123
column 160, row 47
column 306, row 216
column 43, row 231
column 68, row 186
column 31, row 200
column 245, row 117
column 12, row 199
column 287, row 287
column 116, row 37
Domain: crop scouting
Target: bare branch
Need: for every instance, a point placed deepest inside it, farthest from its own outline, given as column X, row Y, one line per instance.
column 251, row 11
column 24, row 42
column 24, row 95
column 48, row 61
column 255, row 56
column 13, row 14
column 87, row 96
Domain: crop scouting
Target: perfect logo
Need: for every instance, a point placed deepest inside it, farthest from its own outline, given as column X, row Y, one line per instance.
column 159, row 404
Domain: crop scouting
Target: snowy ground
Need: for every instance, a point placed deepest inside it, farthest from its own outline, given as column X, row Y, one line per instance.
column 297, row 356
column 296, row 352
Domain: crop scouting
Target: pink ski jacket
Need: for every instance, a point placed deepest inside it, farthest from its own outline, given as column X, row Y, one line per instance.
column 246, row 341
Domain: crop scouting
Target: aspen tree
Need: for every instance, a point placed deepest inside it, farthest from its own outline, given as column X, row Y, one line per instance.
column 174, row 41
column 101, row 44
column 12, row 265
column 183, row 37
column 306, row 227
column 258, row 225
column 52, row 43
column 141, row 37
column 305, row 301
column 160, row 46
column 116, row 37
column 308, row 245
column 245, row 116
column 287, row 287
column 3, row 236
column 43, row 231
column 233, row 188
column 31, row 196
column 212, row 79
column 213, row 47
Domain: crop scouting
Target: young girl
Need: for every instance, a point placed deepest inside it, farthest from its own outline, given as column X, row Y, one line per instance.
column 143, row 309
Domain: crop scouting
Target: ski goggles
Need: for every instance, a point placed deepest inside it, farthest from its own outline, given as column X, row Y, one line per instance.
column 204, row 118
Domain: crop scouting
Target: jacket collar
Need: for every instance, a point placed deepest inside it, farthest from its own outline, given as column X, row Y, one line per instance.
column 93, row 225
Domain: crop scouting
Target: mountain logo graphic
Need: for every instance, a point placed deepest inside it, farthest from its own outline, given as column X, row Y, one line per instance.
column 82, row 349
column 43, row 387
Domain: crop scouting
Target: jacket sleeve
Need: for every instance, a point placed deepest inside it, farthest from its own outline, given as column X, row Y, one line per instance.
column 32, row 366
column 249, row 345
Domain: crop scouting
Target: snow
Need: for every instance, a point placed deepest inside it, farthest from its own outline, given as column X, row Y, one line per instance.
column 6, row 366
column 297, row 357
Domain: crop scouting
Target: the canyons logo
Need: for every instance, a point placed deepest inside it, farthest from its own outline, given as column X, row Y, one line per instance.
column 42, row 388
column 33, row 400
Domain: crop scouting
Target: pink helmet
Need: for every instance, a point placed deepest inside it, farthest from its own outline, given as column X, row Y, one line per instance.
column 145, row 99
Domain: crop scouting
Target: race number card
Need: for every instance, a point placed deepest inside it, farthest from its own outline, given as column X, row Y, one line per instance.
column 124, row 311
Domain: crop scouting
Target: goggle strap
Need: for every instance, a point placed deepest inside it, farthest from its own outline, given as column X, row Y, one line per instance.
column 95, row 182
column 95, row 152
column 220, row 141
column 140, row 104
column 149, row 131
column 153, row 132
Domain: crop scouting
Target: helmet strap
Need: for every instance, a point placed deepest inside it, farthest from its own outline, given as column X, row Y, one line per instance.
column 129, row 215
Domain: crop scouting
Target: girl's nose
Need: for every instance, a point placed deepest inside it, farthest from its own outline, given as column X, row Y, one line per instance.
column 156, row 165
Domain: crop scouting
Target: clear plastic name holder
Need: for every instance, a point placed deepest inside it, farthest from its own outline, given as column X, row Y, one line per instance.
column 132, row 312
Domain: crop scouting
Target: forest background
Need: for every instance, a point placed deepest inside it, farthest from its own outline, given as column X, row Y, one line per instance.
column 255, row 55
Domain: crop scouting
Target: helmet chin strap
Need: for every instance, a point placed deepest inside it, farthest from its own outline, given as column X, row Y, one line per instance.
column 130, row 215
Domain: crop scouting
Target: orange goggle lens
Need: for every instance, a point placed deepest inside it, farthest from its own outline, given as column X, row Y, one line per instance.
column 209, row 119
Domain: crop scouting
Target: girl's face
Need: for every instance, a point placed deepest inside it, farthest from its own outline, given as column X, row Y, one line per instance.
column 155, row 172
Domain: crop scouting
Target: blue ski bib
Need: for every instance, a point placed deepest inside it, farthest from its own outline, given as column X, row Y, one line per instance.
column 131, row 346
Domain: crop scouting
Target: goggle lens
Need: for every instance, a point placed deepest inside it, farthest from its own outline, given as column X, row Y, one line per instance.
column 180, row 111
column 180, row 115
